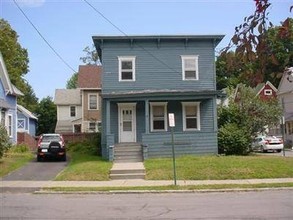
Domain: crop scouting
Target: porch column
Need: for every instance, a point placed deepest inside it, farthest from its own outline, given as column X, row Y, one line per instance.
column 108, row 117
column 147, row 116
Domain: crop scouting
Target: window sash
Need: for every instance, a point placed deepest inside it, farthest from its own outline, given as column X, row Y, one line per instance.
column 191, row 116
column 72, row 111
column 158, row 117
column 126, row 68
column 93, row 102
column 189, row 67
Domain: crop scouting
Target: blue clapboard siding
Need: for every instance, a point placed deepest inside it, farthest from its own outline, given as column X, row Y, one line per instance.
column 158, row 67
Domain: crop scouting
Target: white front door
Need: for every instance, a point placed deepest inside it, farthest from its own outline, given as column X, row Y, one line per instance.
column 127, row 122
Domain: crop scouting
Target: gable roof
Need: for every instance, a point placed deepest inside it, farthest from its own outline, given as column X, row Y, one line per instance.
column 67, row 97
column 89, row 76
column 26, row 112
column 261, row 86
column 8, row 86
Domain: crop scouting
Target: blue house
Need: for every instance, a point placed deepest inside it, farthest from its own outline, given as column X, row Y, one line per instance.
column 26, row 121
column 147, row 77
column 8, row 102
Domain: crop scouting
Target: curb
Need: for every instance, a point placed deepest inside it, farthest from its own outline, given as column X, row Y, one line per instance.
column 165, row 191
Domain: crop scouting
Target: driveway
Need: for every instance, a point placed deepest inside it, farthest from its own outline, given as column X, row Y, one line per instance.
column 37, row 171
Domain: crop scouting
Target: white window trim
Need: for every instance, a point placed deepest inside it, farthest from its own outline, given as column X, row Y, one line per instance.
column 165, row 116
column 94, row 94
column 21, row 129
column 183, row 58
column 126, row 58
column 184, row 104
column 70, row 111
column 268, row 92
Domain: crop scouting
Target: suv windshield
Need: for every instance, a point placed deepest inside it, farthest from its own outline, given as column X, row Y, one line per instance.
column 51, row 138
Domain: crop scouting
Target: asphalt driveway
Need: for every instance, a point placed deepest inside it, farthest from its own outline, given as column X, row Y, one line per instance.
column 37, row 171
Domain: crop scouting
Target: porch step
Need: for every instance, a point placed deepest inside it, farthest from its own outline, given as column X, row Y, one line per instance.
column 128, row 152
column 127, row 171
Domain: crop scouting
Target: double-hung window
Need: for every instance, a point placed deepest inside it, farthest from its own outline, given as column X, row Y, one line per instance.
column 189, row 67
column 9, row 126
column 92, row 101
column 191, row 116
column 158, row 116
column 72, row 111
column 126, row 68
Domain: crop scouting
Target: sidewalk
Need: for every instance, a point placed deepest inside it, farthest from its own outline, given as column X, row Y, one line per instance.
column 133, row 183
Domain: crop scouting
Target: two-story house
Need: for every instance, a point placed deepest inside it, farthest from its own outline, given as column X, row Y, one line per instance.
column 8, row 102
column 78, row 110
column 147, row 77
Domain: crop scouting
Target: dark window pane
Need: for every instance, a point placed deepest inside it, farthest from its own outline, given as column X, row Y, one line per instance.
column 127, row 126
column 126, row 75
column 126, row 65
column 159, row 125
column 191, row 123
column 189, row 74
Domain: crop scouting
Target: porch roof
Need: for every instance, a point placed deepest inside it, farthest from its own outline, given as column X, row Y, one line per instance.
column 143, row 94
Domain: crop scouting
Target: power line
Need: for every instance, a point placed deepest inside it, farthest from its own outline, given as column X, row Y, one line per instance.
column 121, row 31
column 57, row 54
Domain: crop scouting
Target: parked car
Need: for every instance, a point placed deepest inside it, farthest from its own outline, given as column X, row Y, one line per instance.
column 51, row 146
column 267, row 143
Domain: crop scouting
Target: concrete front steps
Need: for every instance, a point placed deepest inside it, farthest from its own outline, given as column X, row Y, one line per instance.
column 134, row 170
column 128, row 162
column 128, row 152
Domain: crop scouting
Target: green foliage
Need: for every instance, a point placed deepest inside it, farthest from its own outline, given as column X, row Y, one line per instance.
column 72, row 82
column 233, row 140
column 4, row 141
column 20, row 148
column 16, row 62
column 91, row 55
column 47, row 116
column 91, row 146
column 248, row 114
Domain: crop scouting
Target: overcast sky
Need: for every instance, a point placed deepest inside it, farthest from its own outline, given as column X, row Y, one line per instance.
column 68, row 26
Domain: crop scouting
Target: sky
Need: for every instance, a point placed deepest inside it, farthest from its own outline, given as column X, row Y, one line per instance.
column 68, row 27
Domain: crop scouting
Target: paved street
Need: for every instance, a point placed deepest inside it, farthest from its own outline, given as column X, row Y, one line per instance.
column 288, row 153
column 275, row 204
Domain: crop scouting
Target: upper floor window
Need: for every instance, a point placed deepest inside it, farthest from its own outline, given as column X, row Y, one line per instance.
column 191, row 116
column 189, row 67
column 268, row 92
column 9, row 126
column 126, row 68
column 92, row 101
column 72, row 111
column 158, row 116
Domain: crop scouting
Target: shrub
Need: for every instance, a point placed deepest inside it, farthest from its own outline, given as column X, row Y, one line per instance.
column 20, row 148
column 4, row 141
column 233, row 140
column 90, row 146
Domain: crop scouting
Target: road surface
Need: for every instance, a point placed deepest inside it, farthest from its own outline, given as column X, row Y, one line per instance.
column 275, row 204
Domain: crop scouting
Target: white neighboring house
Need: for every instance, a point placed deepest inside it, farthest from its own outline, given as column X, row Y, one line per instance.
column 69, row 110
column 285, row 95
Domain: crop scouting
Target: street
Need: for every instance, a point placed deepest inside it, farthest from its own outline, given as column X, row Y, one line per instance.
column 273, row 204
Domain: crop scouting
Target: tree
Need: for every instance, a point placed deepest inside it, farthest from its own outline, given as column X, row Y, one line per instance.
column 4, row 140
column 256, row 47
column 249, row 114
column 16, row 61
column 91, row 56
column 47, row 116
column 72, row 82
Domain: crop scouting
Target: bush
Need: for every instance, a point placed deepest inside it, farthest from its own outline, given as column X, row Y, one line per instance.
column 90, row 146
column 20, row 148
column 4, row 141
column 233, row 140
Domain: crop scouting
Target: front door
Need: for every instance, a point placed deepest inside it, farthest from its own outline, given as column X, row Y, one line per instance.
column 127, row 122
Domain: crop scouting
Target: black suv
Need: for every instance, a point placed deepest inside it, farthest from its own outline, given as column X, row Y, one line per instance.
column 51, row 145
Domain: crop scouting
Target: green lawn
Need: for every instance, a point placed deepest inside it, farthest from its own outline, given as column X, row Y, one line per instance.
column 13, row 161
column 85, row 167
column 220, row 167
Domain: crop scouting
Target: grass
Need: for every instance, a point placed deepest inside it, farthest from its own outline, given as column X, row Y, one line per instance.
column 13, row 160
column 171, row 187
column 85, row 167
column 220, row 167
